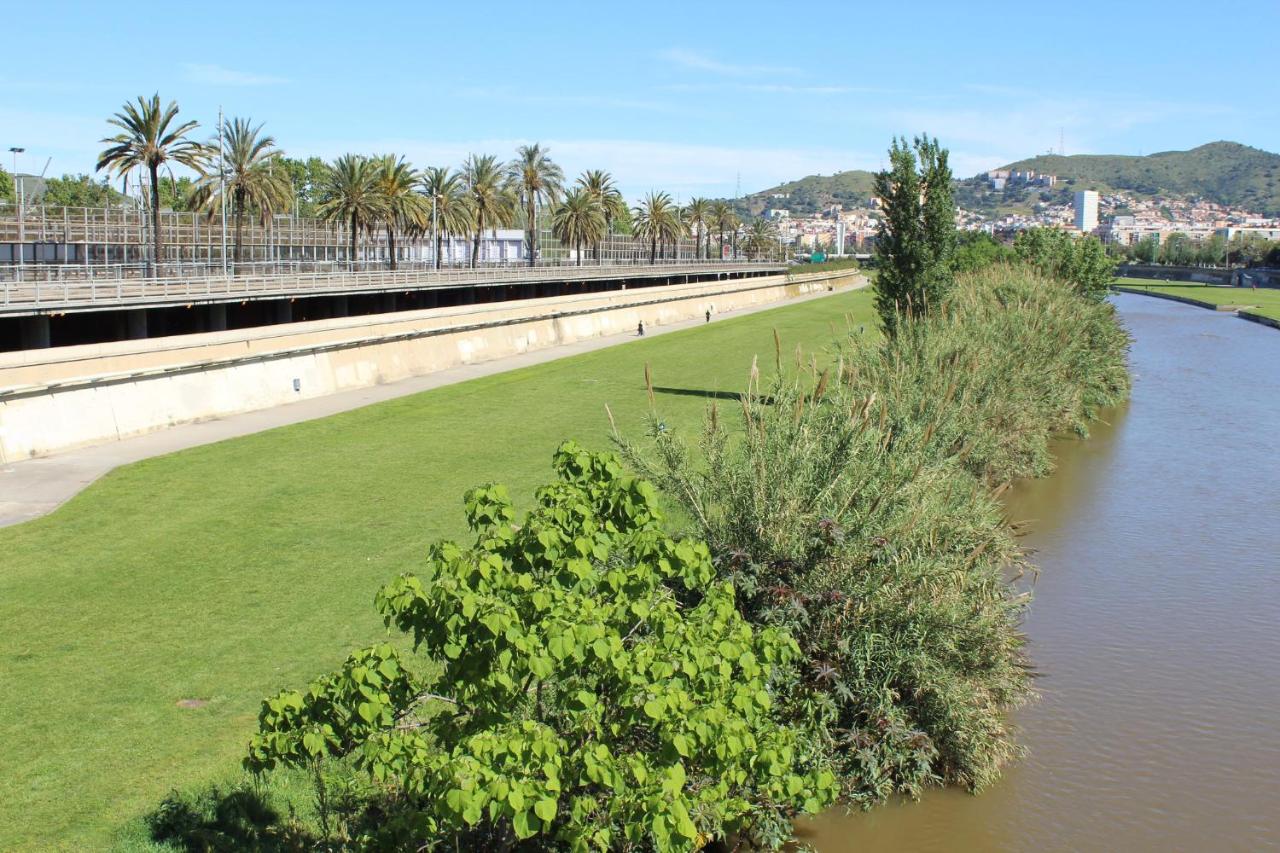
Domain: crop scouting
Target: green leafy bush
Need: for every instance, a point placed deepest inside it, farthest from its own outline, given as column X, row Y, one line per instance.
column 855, row 509
column 1081, row 261
column 580, row 680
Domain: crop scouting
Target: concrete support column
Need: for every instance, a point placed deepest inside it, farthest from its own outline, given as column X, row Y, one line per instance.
column 218, row 317
column 136, row 320
column 284, row 311
column 34, row 332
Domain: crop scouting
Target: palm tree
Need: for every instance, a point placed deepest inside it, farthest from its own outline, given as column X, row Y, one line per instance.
column 578, row 219
column 490, row 200
column 657, row 220
column 722, row 216
column 402, row 206
column 599, row 185
column 761, row 239
column 445, row 192
column 351, row 195
column 250, row 175
column 149, row 138
column 697, row 217
column 537, row 181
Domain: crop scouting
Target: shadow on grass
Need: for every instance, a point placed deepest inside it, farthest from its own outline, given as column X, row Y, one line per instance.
column 735, row 396
column 235, row 818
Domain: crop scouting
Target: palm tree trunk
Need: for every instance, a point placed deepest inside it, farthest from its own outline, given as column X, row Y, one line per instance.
column 437, row 248
column 351, row 254
column 155, row 219
column 533, row 230
column 577, row 248
column 391, row 244
column 653, row 250
column 475, row 246
column 235, row 255
column 238, row 200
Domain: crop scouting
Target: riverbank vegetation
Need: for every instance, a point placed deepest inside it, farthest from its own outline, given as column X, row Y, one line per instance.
column 856, row 506
column 850, row 513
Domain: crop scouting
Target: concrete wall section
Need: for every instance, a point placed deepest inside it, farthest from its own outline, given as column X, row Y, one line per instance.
column 77, row 396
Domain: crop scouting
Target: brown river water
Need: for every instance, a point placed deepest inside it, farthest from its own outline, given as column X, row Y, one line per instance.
column 1155, row 624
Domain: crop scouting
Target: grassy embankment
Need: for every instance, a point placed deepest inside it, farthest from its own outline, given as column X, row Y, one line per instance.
column 1262, row 301
column 225, row 572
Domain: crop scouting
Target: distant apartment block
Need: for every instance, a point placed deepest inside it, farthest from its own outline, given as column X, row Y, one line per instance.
column 1086, row 211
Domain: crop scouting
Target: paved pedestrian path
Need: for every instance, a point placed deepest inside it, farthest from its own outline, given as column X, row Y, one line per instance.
column 35, row 487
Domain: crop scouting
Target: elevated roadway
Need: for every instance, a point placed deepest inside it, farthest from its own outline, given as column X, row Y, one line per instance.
column 80, row 294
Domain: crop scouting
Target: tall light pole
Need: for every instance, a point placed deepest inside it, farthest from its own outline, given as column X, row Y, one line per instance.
column 222, row 192
column 19, row 195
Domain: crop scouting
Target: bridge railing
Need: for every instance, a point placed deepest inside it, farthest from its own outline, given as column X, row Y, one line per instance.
column 97, row 291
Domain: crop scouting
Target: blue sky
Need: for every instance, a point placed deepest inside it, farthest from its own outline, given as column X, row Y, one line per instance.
column 683, row 97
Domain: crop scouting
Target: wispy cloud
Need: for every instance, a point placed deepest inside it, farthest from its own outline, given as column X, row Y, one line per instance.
column 517, row 96
column 216, row 75
column 695, row 61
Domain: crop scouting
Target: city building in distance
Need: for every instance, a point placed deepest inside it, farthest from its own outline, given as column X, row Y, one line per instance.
column 1086, row 211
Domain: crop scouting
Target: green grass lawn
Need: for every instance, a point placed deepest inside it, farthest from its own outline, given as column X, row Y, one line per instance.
column 1262, row 301
column 225, row 572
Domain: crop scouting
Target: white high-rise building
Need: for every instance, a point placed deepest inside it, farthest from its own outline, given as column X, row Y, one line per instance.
column 1086, row 211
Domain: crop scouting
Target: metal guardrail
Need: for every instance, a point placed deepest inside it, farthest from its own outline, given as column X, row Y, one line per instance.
column 80, row 294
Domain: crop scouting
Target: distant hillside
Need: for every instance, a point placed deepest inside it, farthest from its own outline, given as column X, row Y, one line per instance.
column 1222, row 172
column 813, row 193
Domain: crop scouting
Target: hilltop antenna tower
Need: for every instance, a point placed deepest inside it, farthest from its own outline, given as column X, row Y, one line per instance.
column 737, row 188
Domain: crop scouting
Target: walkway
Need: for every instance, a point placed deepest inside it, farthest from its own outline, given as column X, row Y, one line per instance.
column 36, row 487
column 80, row 293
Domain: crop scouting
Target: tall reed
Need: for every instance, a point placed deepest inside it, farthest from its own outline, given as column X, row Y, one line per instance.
column 858, row 506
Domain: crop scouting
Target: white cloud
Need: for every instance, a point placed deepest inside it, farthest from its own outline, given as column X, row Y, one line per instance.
column 695, row 61
column 517, row 96
column 216, row 75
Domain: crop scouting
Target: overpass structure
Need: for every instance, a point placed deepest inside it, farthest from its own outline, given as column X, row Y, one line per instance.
column 87, row 310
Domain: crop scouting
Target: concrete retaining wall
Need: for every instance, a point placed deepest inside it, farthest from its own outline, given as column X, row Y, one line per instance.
column 54, row 400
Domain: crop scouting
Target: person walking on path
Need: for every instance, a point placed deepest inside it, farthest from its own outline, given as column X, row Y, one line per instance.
column 640, row 329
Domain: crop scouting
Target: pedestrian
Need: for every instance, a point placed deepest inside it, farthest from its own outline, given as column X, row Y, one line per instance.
column 640, row 328
column 708, row 315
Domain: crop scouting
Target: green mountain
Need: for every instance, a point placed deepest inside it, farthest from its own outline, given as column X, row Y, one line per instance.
column 813, row 193
column 1222, row 172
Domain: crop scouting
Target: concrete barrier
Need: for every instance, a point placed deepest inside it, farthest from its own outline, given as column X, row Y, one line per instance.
column 69, row 397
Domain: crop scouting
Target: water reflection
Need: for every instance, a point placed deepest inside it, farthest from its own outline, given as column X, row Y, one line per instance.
column 1156, row 623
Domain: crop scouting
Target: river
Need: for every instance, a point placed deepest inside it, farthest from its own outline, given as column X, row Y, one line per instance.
column 1155, row 624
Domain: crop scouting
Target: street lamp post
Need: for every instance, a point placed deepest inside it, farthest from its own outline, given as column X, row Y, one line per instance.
column 19, row 197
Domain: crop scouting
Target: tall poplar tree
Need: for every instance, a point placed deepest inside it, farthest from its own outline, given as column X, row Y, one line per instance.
column 916, row 243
